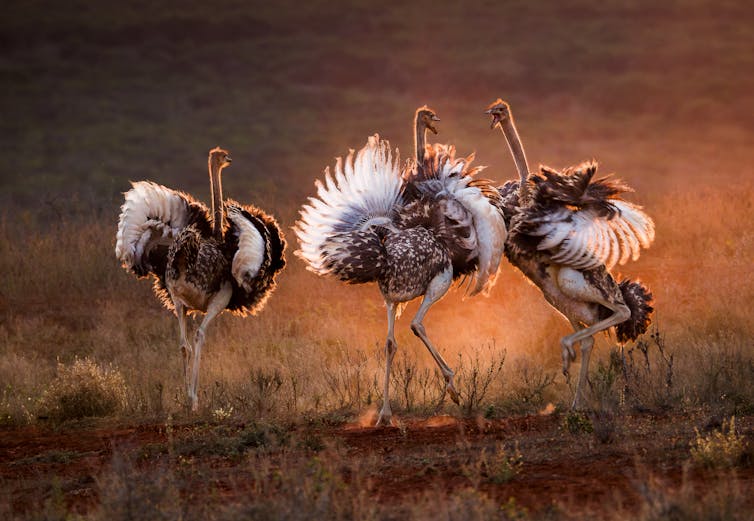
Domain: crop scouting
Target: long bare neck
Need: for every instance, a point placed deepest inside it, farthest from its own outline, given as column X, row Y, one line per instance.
column 420, row 139
column 519, row 157
column 216, row 189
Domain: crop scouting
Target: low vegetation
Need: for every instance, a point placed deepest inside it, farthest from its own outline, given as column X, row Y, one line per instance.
column 722, row 447
column 82, row 390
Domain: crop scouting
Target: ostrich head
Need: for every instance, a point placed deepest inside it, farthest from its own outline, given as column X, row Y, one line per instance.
column 219, row 158
column 426, row 117
column 500, row 112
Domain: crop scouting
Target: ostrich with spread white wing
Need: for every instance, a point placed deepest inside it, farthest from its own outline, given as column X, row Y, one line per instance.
column 203, row 262
column 361, row 227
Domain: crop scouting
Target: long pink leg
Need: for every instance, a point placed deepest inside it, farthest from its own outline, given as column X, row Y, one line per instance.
column 437, row 288
column 217, row 304
column 390, row 348
column 573, row 283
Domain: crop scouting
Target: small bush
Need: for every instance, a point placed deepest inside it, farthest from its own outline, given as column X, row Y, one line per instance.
column 501, row 466
column 723, row 448
column 498, row 466
column 83, row 390
column 648, row 370
column 577, row 422
column 475, row 376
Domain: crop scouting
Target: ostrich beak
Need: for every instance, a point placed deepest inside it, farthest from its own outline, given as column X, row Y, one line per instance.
column 495, row 117
column 431, row 126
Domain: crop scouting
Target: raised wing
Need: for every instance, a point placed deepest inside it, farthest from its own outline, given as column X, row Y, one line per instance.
column 252, row 245
column 151, row 217
column 256, row 245
column 583, row 222
column 464, row 212
column 336, row 231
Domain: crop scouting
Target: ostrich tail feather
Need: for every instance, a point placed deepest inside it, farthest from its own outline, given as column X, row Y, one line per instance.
column 363, row 195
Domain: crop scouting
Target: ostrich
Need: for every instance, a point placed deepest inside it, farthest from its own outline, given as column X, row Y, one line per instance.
column 566, row 231
column 360, row 229
column 202, row 262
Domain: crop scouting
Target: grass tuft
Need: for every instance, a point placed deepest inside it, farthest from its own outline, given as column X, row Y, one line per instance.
column 82, row 390
column 721, row 448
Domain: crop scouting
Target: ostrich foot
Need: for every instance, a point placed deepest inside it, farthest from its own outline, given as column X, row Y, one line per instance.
column 385, row 417
column 451, row 390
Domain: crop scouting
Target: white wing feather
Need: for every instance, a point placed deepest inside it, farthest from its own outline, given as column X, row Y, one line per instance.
column 583, row 239
column 148, row 209
column 251, row 248
column 361, row 190
column 488, row 221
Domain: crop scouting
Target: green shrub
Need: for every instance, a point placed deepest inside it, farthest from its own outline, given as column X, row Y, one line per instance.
column 81, row 390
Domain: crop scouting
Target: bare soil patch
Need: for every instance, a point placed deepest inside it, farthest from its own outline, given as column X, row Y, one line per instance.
column 560, row 471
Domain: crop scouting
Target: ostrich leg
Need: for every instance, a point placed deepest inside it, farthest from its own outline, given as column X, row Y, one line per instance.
column 217, row 304
column 185, row 347
column 573, row 283
column 568, row 354
column 586, row 351
column 390, row 348
column 435, row 291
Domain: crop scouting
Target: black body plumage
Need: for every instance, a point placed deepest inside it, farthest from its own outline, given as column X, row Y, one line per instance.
column 244, row 301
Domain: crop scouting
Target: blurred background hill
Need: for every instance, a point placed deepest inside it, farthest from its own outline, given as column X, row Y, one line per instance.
column 95, row 94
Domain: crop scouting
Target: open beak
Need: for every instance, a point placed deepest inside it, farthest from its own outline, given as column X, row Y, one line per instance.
column 431, row 126
column 228, row 159
column 495, row 118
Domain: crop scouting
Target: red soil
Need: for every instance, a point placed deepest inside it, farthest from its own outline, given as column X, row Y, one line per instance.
column 573, row 472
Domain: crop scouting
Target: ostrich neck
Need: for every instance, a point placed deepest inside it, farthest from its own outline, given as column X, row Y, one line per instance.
column 216, row 190
column 420, row 140
column 519, row 157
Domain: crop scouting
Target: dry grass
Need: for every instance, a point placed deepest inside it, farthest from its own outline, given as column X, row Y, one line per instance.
column 721, row 448
column 82, row 390
column 308, row 351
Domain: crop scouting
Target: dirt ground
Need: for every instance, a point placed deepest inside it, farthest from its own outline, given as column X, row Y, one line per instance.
column 584, row 472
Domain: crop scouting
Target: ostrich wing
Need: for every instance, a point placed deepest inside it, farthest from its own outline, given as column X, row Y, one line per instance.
column 463, row 211
column 252, row 245
column 256, row 245
column 582, row 221
column 151, row 217
column 588, row 238
column 336, row 231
